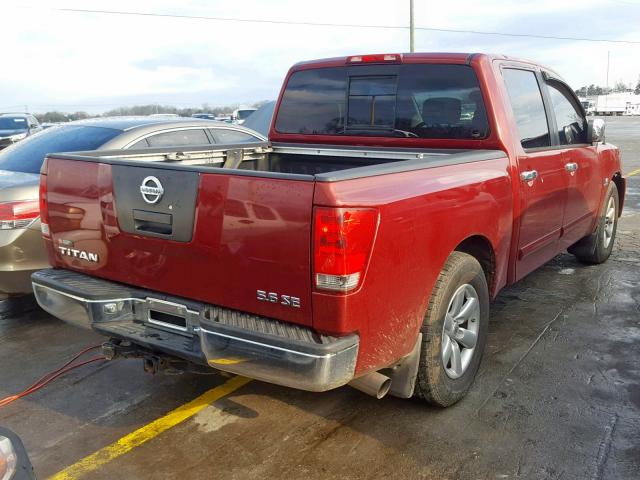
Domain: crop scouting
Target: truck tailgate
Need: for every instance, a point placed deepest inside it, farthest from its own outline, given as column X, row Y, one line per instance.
column 215, row 237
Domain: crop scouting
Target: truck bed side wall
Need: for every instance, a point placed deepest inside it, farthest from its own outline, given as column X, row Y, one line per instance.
column 424, row 216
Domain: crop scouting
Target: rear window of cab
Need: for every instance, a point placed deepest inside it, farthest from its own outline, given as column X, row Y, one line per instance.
column 416, row 100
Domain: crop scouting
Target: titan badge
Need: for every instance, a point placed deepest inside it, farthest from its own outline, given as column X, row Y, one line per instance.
column 66, row 249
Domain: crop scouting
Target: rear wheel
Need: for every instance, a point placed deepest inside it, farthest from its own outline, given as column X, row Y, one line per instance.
column 597, row 247
column 454, row 332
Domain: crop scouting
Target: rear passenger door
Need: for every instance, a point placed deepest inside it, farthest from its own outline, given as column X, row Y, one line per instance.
column 580, row 163
column 541, row 169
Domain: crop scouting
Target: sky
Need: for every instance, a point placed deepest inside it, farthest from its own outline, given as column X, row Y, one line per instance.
column 70, row 61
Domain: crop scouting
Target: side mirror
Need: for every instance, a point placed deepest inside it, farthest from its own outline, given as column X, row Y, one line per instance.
column 595, row 130
column 14, row 462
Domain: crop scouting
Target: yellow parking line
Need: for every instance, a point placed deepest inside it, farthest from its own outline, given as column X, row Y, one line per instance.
column 635, row 172
column 144, row 434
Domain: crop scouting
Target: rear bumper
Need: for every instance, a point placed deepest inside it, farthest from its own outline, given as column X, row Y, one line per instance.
column 232, row 341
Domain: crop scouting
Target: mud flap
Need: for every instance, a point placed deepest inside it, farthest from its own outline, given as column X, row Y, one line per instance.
column 404, row 374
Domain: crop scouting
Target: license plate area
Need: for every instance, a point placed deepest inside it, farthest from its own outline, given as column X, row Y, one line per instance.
column 168, row 320
column 169, row 315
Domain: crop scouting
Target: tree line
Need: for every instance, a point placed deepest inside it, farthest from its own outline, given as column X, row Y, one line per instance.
column 150, row 109
column 136, row 110
column 619, row 87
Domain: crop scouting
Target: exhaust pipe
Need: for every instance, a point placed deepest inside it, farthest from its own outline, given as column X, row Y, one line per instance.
column 374, row 384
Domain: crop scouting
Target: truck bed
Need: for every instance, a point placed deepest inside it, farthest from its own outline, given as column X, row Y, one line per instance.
column 308, row 162
column 227, row 219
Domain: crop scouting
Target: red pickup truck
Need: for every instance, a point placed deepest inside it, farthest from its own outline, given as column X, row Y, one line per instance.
column 361, row 245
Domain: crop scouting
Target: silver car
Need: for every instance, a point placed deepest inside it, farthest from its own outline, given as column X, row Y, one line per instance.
column 21, row 247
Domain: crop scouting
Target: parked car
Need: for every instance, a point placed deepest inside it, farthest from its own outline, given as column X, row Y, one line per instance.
column 17, row 126
column 399, row 195
column 240, row 114
column 260, row 120
column 21, row 247
column 204, row 116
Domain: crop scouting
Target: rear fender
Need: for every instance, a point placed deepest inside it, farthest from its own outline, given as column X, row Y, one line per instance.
column 424, row 216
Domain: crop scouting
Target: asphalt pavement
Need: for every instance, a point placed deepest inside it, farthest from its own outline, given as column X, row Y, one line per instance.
column 557, row 395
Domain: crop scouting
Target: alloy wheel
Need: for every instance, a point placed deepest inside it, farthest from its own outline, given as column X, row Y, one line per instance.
column 609, row 222
column 460, row 331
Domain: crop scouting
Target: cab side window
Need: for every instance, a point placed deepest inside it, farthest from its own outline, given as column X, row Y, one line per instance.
column 572, row 126
column 528, row 107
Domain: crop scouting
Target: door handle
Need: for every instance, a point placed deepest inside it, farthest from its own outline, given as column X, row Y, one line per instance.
column 529, row 176
column 571, row 167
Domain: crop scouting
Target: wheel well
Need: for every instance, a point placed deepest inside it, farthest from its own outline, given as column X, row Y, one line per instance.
column 480, row 248
column 620, row 185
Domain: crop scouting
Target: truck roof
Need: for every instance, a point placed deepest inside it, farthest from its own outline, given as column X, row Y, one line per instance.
column 450, row 57
column 418, row 57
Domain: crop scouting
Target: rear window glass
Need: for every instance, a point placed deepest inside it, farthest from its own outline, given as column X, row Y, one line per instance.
column 27, row 156
column 223, row 135
column 179, row 138
column 425, row 101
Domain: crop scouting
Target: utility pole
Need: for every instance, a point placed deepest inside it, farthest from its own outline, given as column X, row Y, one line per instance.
column 608, row 53
column 411, row 27
column 606, row 93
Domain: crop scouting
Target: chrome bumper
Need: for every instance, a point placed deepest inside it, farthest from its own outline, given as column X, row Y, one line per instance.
column 231, row 341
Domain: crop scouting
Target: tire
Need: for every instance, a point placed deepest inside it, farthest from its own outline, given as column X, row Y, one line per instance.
column 443, row 384
column 597, row 247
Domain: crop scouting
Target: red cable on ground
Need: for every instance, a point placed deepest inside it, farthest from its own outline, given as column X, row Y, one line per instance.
column 76, row 356
column 49, row 377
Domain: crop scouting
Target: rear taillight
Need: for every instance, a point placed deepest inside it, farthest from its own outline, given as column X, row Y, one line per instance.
column 342, row 241
column 44, row 209
column 18, row 214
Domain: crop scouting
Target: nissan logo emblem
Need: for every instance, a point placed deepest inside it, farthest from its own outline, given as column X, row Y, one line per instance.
column 151, row 190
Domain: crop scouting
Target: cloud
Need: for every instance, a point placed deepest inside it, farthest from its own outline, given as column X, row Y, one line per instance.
column 96, row 62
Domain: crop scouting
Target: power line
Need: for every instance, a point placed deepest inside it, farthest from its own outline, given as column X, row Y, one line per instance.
column 622, row 2
column 343, row 25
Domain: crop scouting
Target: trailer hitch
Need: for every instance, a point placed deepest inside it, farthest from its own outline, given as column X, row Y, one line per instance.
column 151, row 362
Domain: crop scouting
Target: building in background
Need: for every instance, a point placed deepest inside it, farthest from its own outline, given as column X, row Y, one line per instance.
column 625, row 103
